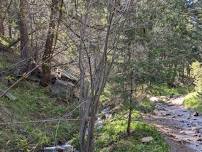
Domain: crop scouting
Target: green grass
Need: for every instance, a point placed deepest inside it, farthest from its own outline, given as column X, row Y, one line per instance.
column 193, row 101
column 145, row 106
column 3, row 62
column 164, row 90
column 111, row 137
column 33, row 103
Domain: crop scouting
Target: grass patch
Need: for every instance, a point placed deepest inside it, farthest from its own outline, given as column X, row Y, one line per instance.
column 145, row 106
column 33, row 103
column 111, row 137
column 3, row 62
column 164, row 90
column 193, row 101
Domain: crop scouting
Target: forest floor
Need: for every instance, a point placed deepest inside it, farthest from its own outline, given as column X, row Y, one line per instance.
column 182, row 128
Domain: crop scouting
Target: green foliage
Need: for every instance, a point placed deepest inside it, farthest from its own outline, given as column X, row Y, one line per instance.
column 196, row 71
column 106, row 95
column 22, row 143
column 145, row 106
column 33, row 103
column 193, row 101
column 112, row 136
column 164, row 90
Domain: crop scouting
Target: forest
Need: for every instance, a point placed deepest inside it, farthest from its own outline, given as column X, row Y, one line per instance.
column 100, row 75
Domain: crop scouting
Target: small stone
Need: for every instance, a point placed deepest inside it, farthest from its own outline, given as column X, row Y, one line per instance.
column 199, row 139
column 200, row 131
column 146, row 139
column 196, row 114
column 182, row 132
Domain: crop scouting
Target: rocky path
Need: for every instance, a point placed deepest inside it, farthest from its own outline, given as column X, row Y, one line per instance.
column 182, row 128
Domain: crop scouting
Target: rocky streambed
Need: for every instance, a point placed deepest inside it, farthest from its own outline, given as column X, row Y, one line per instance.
column 181, row 127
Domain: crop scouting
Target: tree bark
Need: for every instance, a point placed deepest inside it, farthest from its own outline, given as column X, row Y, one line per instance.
column 1, row 18
column 48, row 52
column 130, row 104
column 24, row 36
column 1, row 25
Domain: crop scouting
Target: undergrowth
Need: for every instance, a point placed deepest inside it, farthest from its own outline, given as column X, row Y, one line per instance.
column 33, row 103
column 193, row 101
column 112, row 137
column 164, row 90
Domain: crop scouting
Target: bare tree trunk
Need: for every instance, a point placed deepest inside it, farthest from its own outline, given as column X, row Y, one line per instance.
column 1, row 25
column 98, row 73
column 130, row 104
column 24, row 37
column 48, row 52
column 130, row 78
column 10, row 30
column 98, row 80
column 1, row 17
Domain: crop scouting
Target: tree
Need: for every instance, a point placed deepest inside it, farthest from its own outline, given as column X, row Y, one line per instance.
column 95, row 62
column 23, row 25
column 1, row 18
column 51, row 38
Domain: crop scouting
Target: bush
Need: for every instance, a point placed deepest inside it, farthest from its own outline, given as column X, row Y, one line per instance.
column 196, row 73
column 193, row 101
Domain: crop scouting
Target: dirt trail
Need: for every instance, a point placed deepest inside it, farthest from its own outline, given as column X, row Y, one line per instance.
column 182, row 128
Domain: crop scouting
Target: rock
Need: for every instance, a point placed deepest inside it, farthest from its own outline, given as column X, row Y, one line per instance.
column 154, row 99
column 146, row 139
column 67, row 75
column 166, row 114
column 197, row 129
column 59, row 148
column 179, row 115
column 200, row 131
column 61, row 89
column 195, row 114
column 199, row 139
column 182, row 132
column 107, row 113
column 99, row 123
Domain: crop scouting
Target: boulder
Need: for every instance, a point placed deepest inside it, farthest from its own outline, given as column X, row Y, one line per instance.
column 195, row 114
column 99, row 123
column 62, row 89
column 147, row 139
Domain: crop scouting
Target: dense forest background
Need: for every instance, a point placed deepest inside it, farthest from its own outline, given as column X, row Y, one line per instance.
column 83, row 72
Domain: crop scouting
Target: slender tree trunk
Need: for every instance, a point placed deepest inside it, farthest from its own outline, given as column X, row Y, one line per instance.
column 131, row 96
column 1, row 18
column 1, row 25
column 24, row 37
column 48, row 52
column 130, row 106
column 10, row 30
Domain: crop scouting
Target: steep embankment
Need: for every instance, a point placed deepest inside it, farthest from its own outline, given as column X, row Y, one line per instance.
column 31, row 121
